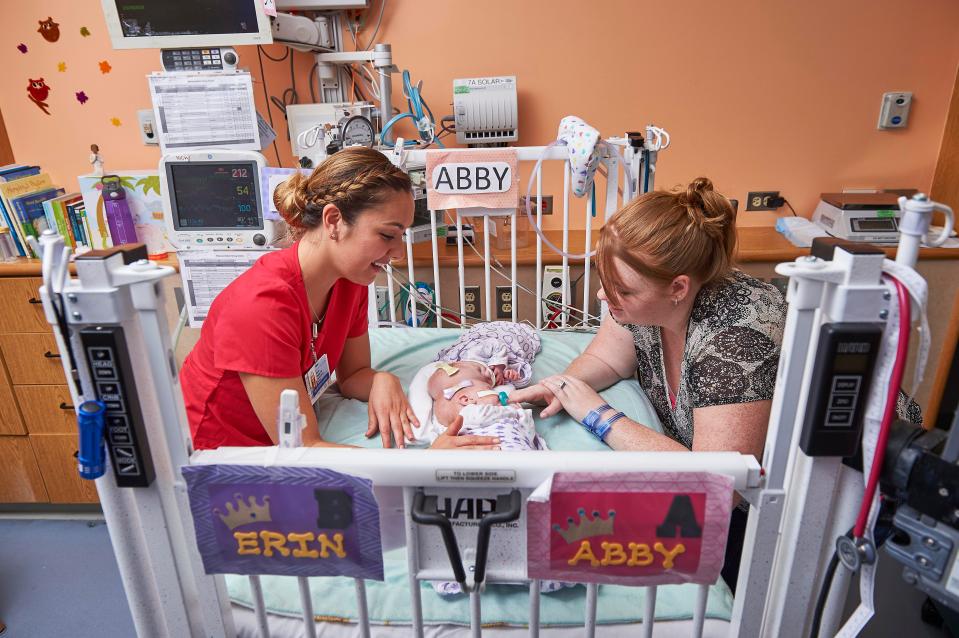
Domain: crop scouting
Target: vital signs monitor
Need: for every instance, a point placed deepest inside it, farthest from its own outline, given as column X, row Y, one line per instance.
column 211, row 200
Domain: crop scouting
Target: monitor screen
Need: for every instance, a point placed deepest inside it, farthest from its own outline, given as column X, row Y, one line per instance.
column 150, row 18
column 215, row 195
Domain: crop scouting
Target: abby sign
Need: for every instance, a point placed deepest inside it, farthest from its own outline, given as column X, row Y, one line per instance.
column 474, row 178
column 635, row 529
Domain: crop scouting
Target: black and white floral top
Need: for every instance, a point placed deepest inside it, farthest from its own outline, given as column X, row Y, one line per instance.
column 731, row 355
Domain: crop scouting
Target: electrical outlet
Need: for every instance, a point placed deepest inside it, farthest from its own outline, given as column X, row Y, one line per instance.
column 382, row 303
column 504, row 302
column 547, row 204
column 761, row 200
column 471, row 298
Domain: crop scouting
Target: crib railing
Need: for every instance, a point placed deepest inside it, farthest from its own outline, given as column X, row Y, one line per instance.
column 415, row 470
column 620, row 177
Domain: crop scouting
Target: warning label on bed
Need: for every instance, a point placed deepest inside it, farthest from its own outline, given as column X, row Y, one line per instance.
column 475, row 476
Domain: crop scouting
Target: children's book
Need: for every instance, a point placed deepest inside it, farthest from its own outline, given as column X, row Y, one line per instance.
column 15, row 189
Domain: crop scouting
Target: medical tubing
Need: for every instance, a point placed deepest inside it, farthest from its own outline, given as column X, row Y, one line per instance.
column 899, row 368
column 614, row 154
column 824, row 590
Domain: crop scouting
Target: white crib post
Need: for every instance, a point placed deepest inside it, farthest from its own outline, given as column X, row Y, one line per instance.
column 590, row 211
column 259, row 606
column 462, row 270
column 699, row 612
column 476, row 615
column 412, row 563
column 534, row 587
column 512, row 257
column 412, row 279
column 436, row 269
column 649, row 612
column 306, row 605
column 362, row 607
column 566, row 283
column 390, row 292
column 539, row 249
column 486, row 268
column 592, row 594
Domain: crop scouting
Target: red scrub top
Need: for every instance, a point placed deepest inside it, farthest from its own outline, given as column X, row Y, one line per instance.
column 261, row 324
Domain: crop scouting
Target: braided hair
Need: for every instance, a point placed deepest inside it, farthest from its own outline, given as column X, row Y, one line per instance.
column 661, row 235
column 353, row 180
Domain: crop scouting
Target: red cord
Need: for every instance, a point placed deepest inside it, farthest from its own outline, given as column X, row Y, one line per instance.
column 899, row 368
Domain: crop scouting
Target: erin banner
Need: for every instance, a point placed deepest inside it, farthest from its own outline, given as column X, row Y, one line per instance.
column 641, row 528
column 284, row 520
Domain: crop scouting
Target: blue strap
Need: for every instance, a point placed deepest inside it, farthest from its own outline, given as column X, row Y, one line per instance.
column 593, row 416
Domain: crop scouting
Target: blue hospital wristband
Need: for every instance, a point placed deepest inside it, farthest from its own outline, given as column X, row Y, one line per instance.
column 592, row 420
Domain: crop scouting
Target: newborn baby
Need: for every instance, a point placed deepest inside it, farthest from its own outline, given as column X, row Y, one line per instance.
column 472, row 379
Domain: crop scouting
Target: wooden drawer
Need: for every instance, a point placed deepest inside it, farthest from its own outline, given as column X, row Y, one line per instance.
column 20, row 480
column 32, row 359
column 46, row 409
column 21, row 310
column 58, row 465
column 10, row 421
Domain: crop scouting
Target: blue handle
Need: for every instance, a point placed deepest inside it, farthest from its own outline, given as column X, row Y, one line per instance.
column 91, row 459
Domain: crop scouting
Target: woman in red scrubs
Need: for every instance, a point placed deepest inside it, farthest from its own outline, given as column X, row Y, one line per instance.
column 302, row 310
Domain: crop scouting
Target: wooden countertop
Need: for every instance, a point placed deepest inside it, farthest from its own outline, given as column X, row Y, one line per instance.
column 756, row 244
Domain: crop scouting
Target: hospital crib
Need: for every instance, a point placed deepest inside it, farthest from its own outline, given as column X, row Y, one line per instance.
column 153, row 533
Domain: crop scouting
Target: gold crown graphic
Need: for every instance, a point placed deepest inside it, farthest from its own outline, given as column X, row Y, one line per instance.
column 596, row 526
column 245, row 512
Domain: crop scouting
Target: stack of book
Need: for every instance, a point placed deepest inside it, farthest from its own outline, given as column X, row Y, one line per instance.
column 30, row 204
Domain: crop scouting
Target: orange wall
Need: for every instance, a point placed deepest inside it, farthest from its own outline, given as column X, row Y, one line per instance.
column 757, row 94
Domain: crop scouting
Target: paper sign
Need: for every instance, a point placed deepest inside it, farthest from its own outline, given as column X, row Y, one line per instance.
column 270, row 178
column 283, row 520
column 483, row 178
column 643, row 528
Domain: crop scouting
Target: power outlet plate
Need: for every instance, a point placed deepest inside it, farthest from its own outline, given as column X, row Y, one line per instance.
column 547, row 204
column 504, row 302
column 471, row 299
column 382, row 303
column 760, row 200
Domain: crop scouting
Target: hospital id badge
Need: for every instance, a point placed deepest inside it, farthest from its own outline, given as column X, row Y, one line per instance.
column 318, row 379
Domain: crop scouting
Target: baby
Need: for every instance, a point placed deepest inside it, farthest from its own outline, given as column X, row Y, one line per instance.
column 472, row 379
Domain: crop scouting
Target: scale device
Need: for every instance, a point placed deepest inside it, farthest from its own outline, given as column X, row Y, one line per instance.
column 212, row 200
column 868, row 217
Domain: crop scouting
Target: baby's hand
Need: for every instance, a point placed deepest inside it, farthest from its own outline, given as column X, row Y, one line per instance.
column 511, row 375
column 498, row 373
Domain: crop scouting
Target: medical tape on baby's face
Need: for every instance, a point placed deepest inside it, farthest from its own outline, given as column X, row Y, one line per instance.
column 493, row 393
column 449, row 392
column 447, row 368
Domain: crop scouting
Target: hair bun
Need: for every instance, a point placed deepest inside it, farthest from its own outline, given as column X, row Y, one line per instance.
column 696, row 191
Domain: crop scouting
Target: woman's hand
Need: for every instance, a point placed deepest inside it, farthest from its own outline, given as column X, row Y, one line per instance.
column 538, row 394
column 453, row 440
column 575, row 395
column 389, row 411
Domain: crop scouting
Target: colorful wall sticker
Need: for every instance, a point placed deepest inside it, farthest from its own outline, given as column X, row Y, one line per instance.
column 49, row 29
column 105, row 67
column 37, row 91
column 61, row 67
column 84, row 31
column 115, row 121
column 82, row 97
column 22, row 48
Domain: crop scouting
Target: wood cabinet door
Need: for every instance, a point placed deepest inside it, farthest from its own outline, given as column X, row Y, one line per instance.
column 46, row 409
column 10, row 421
column 32, row 358
column 22, row 311
column 58, row 464
column 20, row 480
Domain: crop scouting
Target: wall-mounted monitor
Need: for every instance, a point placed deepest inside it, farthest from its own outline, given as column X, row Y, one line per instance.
column 173, row 24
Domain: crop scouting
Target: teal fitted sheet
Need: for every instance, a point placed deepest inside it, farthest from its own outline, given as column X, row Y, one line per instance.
column 402, row 352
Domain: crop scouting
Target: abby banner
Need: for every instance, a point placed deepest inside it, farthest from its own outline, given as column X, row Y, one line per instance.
column 643, row 528
column 284, row 520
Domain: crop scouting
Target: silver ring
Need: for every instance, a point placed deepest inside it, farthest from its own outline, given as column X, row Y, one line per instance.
column 562, row 384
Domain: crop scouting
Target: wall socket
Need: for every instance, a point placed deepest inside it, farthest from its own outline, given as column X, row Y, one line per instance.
column 471, row 299
column 547, row 204
column 382, row 303
column 760, row 200
column 504, row 302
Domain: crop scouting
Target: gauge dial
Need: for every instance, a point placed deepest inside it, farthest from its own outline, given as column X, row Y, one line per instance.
column 358, row 131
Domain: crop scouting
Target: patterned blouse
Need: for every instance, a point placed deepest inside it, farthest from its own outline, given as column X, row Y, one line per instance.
column 731, row 354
